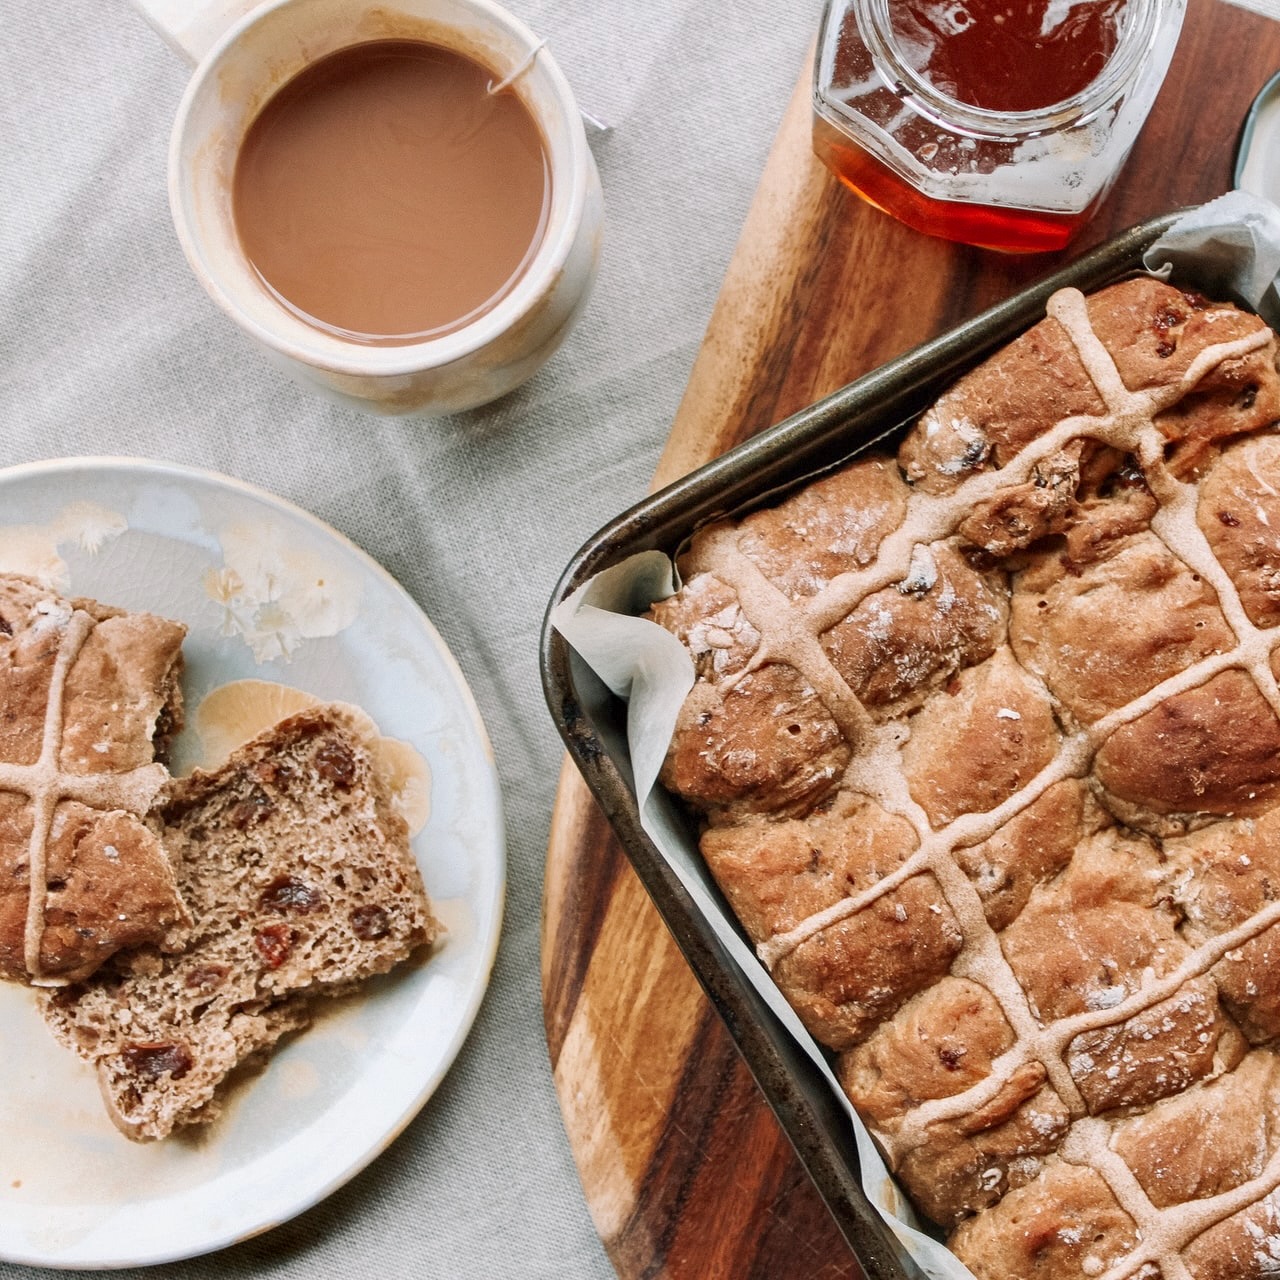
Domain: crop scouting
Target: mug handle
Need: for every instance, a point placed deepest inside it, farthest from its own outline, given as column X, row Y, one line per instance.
column 192, row 27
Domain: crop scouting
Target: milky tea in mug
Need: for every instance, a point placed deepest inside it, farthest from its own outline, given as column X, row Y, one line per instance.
column 510, row 220
column 392, row 191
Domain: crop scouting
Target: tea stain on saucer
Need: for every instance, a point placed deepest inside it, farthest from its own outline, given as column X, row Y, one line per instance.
column 35, row 549
column 275, row 596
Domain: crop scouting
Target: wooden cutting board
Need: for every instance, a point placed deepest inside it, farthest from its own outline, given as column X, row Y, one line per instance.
column 686, row 1173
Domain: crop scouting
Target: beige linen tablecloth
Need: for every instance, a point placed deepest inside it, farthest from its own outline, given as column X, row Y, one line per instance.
column 108, row 346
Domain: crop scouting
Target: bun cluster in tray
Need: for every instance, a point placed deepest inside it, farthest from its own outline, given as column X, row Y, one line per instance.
column 985, row 740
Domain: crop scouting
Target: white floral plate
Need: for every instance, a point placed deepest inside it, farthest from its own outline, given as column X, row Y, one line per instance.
column 269, row 593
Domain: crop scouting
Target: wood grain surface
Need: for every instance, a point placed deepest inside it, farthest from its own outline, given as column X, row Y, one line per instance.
column 686, row 1173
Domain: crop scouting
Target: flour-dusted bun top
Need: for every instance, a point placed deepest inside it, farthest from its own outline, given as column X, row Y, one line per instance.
column 986, row 744
column 89, row 696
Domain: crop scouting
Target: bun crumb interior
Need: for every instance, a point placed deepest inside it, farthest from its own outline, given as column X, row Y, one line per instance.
column 302, row 884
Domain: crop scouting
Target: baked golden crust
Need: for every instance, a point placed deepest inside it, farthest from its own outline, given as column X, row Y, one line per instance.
column 994, row 787
column 942, row 1043
column 87, row 694
column 846, row 978
column 1065, row 1222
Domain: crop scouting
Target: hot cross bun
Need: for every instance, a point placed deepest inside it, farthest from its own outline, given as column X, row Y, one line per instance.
column 985, row 745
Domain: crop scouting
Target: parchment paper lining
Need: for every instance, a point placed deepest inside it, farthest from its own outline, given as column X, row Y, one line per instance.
column 1228, row 248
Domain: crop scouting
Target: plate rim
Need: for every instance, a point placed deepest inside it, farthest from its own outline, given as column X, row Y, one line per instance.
column 476, row 989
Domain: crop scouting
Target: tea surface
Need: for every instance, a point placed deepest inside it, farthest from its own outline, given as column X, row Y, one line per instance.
column 386, row 194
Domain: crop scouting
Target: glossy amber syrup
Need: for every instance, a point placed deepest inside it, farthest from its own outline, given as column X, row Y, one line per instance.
column 1007, row 55
column 986, row 226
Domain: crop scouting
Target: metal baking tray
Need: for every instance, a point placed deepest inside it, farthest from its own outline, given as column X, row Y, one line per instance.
column 873, row 410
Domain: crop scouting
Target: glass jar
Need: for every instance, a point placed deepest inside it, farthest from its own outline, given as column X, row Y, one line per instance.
column 936, row 110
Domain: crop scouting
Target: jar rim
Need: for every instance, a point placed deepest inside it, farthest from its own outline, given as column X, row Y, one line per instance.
column 1137, row 36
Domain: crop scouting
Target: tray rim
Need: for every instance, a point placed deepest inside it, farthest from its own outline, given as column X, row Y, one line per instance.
column 819, row 435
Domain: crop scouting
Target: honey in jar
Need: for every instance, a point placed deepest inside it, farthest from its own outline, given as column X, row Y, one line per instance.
column 999, row 123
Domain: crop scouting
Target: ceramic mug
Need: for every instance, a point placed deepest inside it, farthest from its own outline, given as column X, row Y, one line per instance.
column 243, row 54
